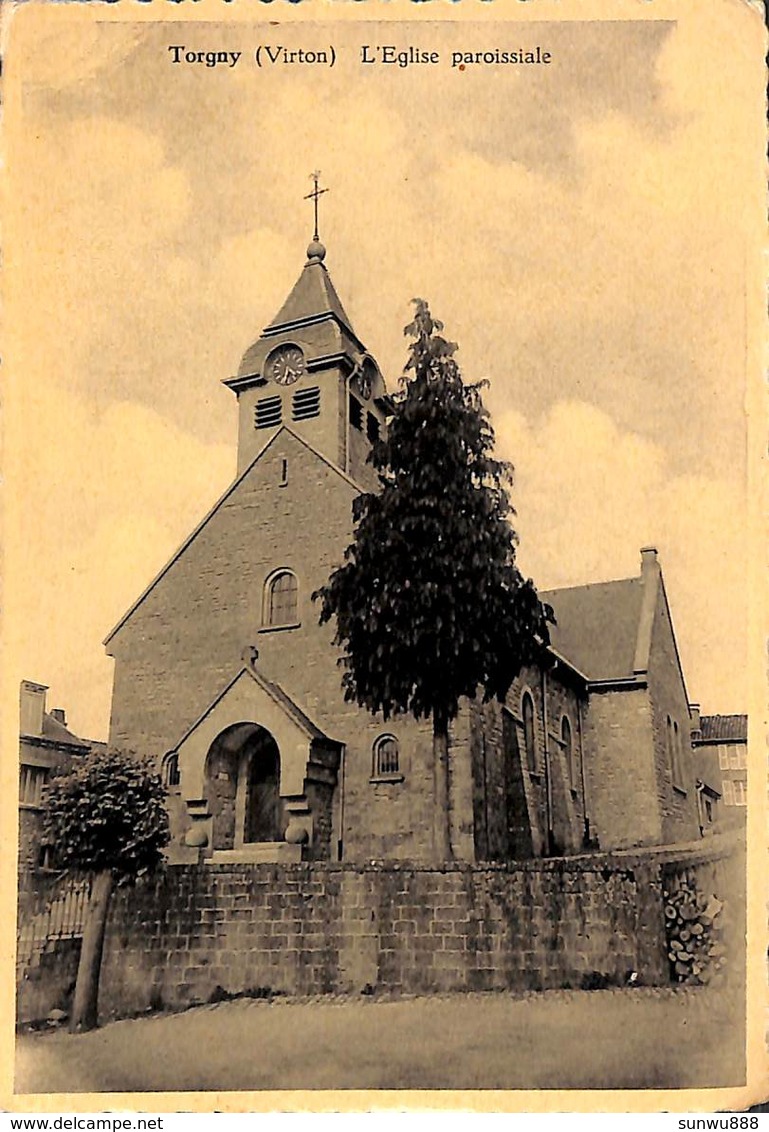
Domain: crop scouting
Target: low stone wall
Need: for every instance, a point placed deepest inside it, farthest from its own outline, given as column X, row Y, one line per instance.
column 193, row 932
column 318, row 928
column 48, row 983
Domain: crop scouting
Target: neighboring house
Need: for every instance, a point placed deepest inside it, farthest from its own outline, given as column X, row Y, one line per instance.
column 223, row 674
column 45, row 745
column 720, row 744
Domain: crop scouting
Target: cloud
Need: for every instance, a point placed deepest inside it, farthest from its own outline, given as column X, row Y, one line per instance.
column 589, row 495
column 107, row 499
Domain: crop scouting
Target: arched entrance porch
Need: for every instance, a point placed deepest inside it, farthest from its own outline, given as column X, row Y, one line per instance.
column 242, row 775
column 253, row 766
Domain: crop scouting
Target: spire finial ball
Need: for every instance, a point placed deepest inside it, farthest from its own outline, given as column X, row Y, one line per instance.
column 316, row 251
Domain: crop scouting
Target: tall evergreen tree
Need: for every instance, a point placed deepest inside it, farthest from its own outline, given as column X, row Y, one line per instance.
column 430, row 606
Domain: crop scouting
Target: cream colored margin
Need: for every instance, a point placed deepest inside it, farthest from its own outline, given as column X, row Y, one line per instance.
column 21, row 25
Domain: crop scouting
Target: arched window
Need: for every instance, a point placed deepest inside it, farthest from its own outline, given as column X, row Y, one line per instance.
column 568, row 747
column 386, row 756
column 281, row 599
column 170, row 770
column 529, row 735
column 677, row 756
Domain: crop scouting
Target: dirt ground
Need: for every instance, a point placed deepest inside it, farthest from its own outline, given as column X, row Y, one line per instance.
column 630, row 1038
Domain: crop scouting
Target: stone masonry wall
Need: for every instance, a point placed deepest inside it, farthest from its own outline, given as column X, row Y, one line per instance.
column 509, row 799
column 621, row 786
column 318, row 928
column 192, row 932
column 677, row 800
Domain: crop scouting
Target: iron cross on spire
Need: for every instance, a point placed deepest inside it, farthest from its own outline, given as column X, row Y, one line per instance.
column 313, row 196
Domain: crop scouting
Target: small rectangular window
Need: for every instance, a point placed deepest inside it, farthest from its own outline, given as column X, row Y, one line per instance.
column 356, row 413
column 740, row 794
column 727, row 792
column 31, row 782
column 306, row 404
column 268, row 412
column 742, row 759
column 734, row 758
column 723, row 759
column 372, row 428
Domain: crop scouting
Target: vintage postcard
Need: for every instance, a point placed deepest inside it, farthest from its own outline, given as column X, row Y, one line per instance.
column 384, row 714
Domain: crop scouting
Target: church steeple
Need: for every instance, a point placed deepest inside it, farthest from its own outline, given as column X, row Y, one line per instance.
column 309, row 370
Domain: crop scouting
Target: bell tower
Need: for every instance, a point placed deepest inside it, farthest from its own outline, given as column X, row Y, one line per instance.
column 308, row 370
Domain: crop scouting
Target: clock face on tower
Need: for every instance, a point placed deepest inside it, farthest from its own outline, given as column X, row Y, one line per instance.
column 285, row 365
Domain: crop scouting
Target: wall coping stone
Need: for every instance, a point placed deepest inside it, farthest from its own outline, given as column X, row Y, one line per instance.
column 618, row 861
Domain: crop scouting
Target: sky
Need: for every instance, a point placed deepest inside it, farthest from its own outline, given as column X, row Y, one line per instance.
column 582, row 229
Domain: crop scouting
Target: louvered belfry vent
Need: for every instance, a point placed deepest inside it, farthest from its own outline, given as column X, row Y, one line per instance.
column 306, row 404
column 268, row 412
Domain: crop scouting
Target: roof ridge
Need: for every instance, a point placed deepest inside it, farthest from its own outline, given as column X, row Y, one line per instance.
column 589, row 585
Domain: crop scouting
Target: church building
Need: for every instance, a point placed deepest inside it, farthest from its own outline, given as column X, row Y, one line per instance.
column 224, row 675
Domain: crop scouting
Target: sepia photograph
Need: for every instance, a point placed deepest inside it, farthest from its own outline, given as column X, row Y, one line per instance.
column 382, row 401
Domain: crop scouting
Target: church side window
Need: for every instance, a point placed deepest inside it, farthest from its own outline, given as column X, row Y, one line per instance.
column 529, row 735
column 568, row 747
column 356, row 413
column 282, row 597
column 170, row 770
column 306, row 404
column 268, row 412
column 386, row 757
column 372, row 428
column 677, row 754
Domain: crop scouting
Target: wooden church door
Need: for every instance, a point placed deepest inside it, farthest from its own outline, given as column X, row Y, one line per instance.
column 264, row 810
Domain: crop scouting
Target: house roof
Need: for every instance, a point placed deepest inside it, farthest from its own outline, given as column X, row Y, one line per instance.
column 597, row 626
column 724, row 728
column 56, row 732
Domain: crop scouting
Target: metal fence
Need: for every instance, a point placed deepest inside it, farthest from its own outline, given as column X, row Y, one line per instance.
column 52, row 909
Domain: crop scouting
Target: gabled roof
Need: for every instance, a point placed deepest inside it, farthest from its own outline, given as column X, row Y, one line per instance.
column 724, row 728
column 357, row 489
column 277, row 694
column 289, row 706
column 597, row 627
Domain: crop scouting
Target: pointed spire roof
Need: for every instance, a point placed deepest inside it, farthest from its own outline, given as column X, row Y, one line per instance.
column 313, row 297
column 312, row 314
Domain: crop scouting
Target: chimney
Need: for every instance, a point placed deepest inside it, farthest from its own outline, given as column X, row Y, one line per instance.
column 649, row 561
column 31, row 707
column 694, row 717
column 59, row 714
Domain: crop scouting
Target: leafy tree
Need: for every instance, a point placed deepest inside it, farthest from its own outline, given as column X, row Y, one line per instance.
column 430, row 606
column 105, row 815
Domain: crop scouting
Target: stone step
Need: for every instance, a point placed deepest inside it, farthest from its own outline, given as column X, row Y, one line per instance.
column 259, row 853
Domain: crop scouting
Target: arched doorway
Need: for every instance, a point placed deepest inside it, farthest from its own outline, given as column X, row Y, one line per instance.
column 243, row 787
column 264, row 818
